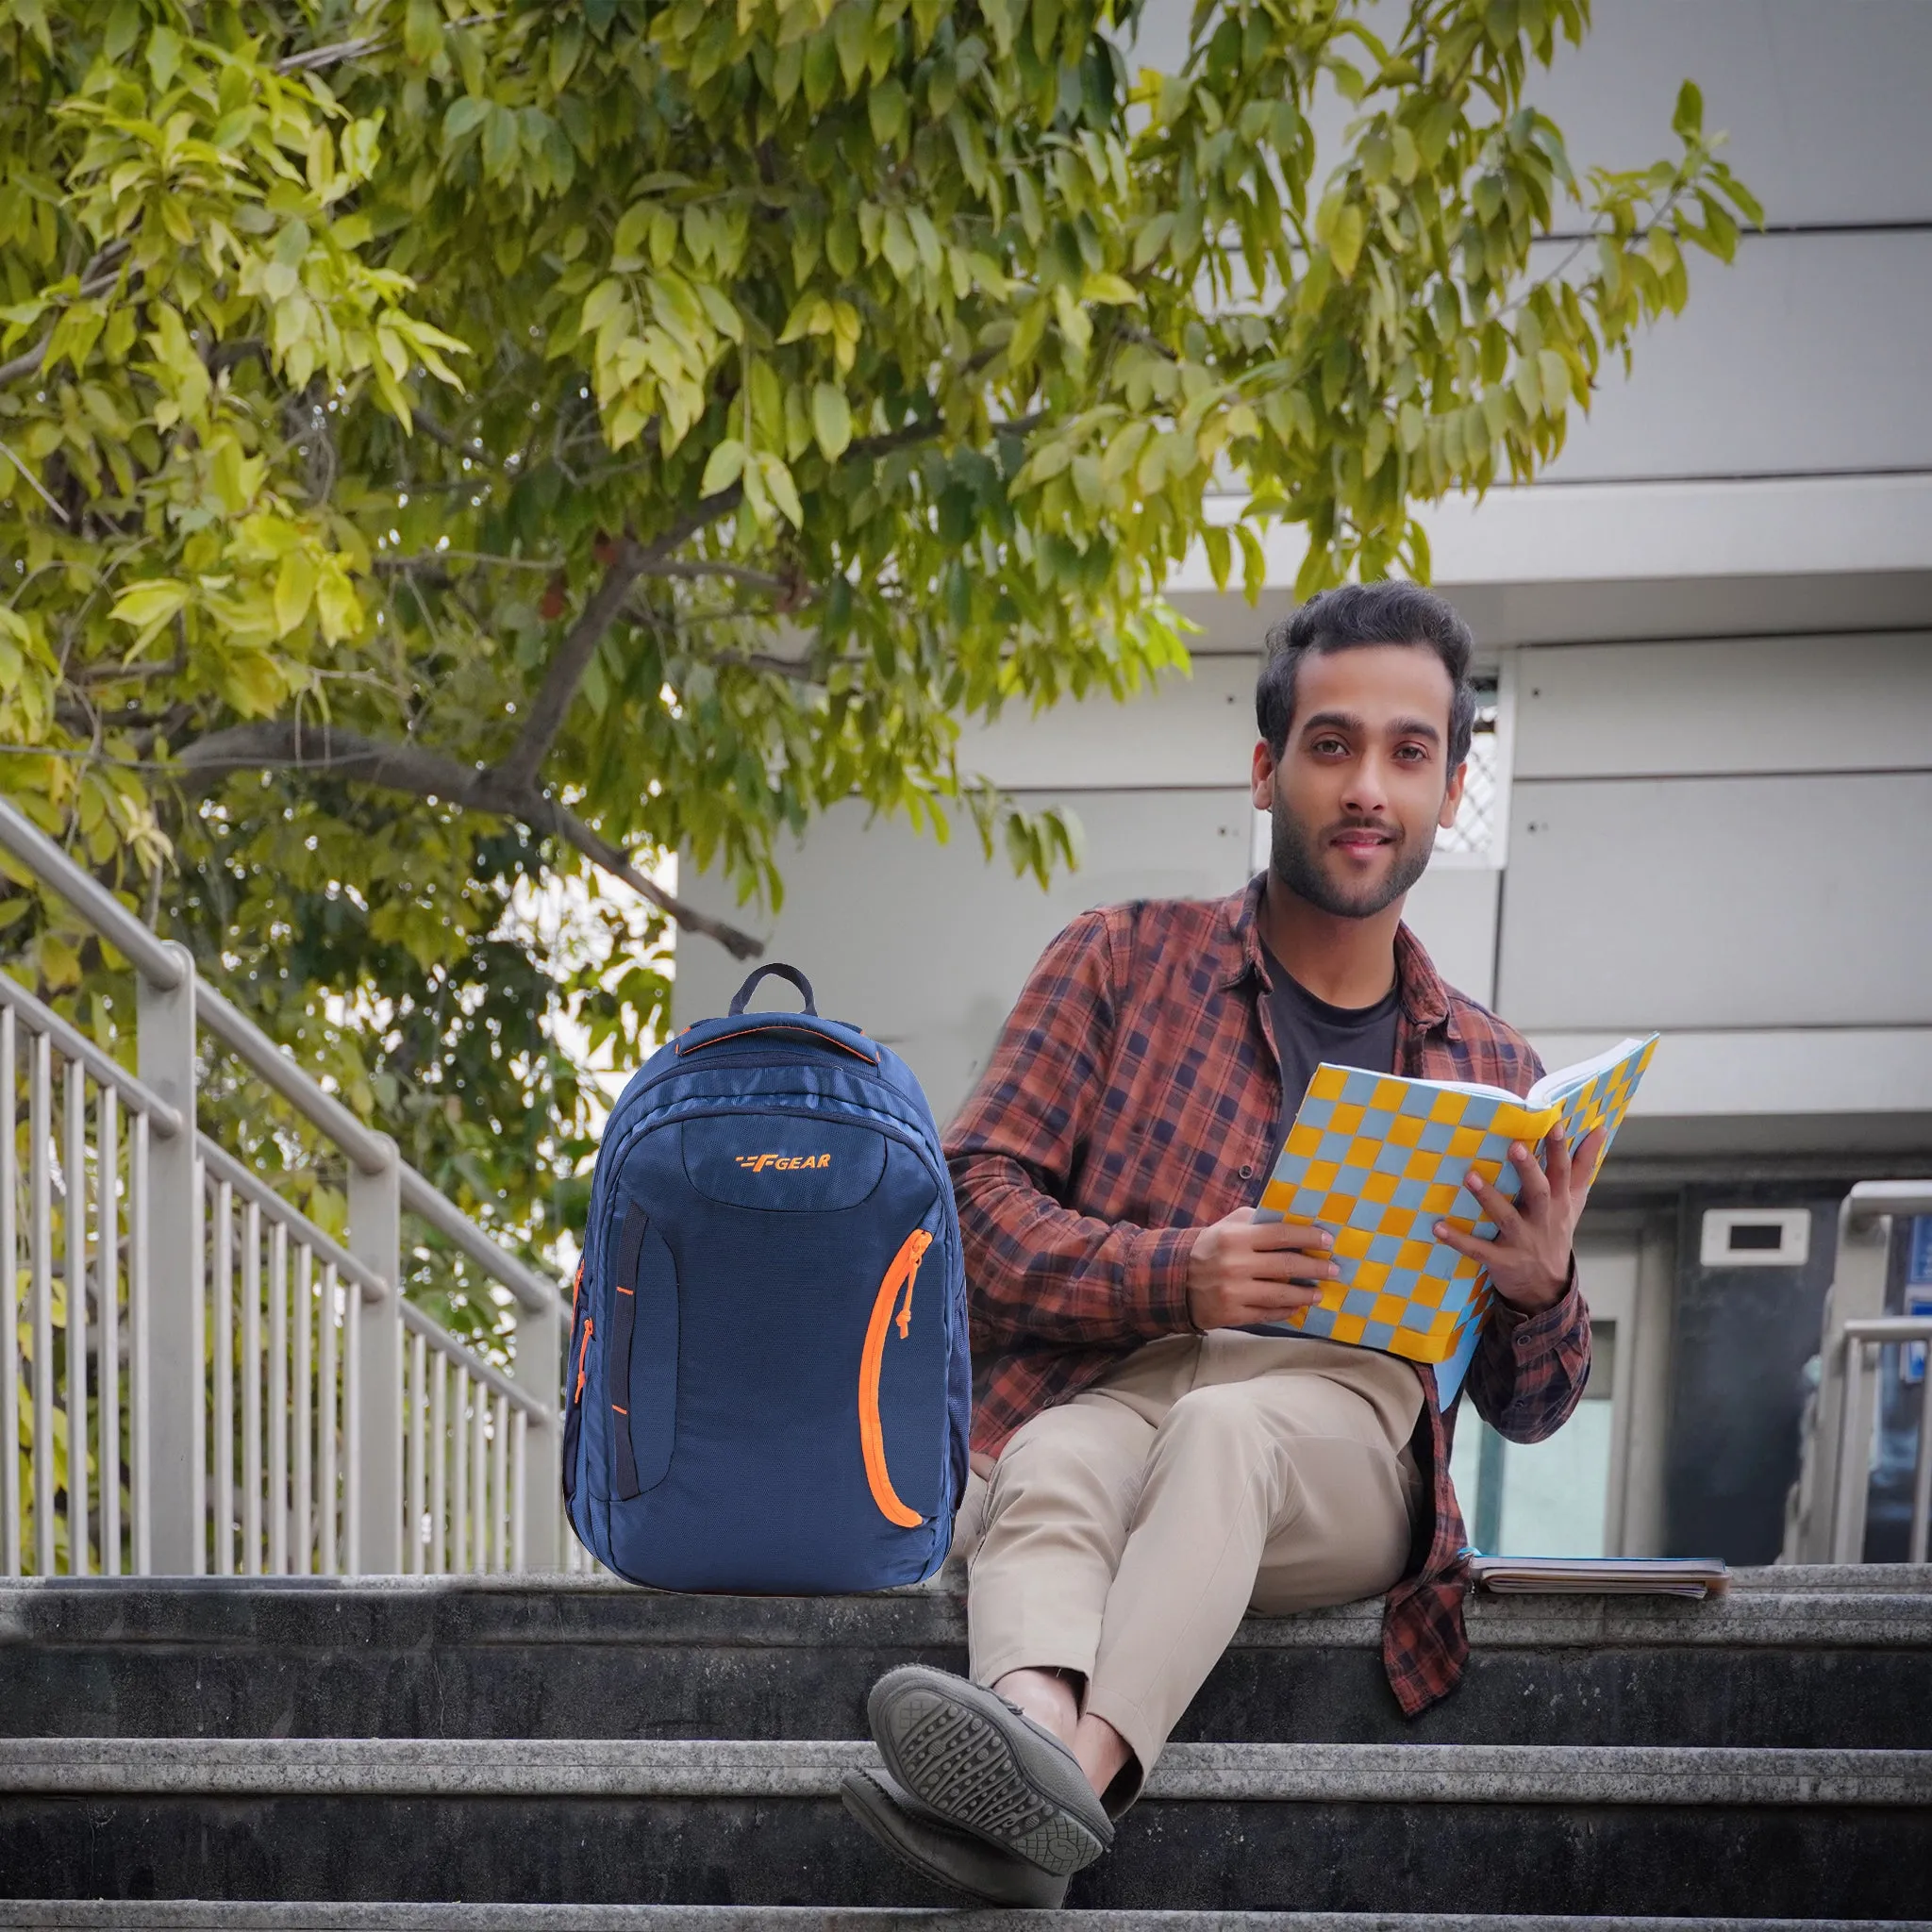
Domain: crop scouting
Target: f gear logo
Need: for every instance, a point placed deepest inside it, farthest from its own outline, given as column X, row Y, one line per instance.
column 779, row 1162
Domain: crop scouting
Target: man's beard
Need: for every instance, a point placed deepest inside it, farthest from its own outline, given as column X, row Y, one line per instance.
column 1295, row 856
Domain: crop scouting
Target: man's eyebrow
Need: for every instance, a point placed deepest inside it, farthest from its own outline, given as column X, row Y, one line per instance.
column 1347, row 721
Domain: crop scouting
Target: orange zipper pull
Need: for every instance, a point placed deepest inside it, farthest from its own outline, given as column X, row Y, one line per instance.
column 915, row 1247
column 583, row 1356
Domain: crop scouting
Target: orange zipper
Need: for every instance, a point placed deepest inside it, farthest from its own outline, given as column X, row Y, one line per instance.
column 583, row 1356
column 871, row 1438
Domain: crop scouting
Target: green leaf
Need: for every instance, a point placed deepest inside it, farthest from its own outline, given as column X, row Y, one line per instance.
column 465, row 114
column 294, row 591
column 784, row 492
column 1346, row 241
column 831, row 419
column 885, row 106
column 145, row 605
column 163, row 57
column 1687, row 118
column 423, row 30
column 725, row 466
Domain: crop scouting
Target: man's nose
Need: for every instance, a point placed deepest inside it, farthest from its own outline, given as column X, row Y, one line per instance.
column 1367, row 790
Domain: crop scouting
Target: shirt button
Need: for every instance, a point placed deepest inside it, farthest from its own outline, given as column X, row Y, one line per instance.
column 1248, row 1173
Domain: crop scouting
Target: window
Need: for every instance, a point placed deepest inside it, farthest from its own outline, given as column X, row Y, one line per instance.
column 1479, row 837
column 1548, row 1498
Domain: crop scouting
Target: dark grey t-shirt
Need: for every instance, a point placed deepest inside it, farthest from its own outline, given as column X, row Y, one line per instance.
column 1308, row 1031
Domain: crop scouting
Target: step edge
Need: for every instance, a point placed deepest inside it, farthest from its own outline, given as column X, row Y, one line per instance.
column 191, row 1915
column 456, row 1770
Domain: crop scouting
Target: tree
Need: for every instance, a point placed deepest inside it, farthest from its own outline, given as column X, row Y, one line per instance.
column 446, row 446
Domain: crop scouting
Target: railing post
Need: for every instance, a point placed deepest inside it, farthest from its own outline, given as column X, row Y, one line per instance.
column 376, row 1234
column 539, row 1367
column 1831, row 1492
column 176, row 1381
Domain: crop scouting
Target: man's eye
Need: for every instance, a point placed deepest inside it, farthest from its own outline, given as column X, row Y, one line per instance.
column 1322, row 747
column 1415, row 753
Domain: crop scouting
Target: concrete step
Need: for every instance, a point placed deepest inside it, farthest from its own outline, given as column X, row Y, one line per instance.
column 1828, row 1656
column 1231, row 1827
column 189, row 1915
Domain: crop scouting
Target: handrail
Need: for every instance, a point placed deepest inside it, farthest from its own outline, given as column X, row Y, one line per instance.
column 491, row 1377
column 1875, row 1332
column 1884, row 1328
column 374, row 1288
column 371, row 1152
column 1872, row 1201
column 422, row 1198
column 86, row 895
column 75, row 1045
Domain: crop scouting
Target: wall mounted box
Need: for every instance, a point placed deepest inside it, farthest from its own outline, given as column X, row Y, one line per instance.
column 1755, row 1238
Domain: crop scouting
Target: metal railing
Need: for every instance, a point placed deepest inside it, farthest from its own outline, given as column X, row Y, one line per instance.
column 1825, row 1515
column 195, row 1378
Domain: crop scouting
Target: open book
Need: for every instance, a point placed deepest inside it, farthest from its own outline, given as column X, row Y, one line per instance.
column 1695, row 1576
column 1378, row 1159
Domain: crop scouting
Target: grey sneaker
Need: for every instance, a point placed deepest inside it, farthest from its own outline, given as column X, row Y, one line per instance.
column 973, row 1760
column 937, row 1851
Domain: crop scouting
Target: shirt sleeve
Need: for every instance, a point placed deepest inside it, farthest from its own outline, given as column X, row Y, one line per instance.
column 1036, row 1270
column 1529, row 1370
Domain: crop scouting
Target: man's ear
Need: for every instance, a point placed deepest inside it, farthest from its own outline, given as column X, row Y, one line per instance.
column 1452, row 799
column 1262, row 788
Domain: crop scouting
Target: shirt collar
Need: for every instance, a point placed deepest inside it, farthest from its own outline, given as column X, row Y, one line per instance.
column 1424, row 997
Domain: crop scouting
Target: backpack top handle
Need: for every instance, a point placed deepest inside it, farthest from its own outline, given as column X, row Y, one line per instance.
column 791, row 972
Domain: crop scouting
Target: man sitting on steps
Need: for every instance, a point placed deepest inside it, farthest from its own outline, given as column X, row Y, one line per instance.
column 1145, row 1472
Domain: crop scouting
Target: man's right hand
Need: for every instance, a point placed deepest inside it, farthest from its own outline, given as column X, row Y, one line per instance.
column 1243, row 1270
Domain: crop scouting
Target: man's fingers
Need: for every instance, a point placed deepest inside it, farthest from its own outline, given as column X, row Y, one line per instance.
column 1557, row 1162
column 1273, row 1304
column 1584, row 1169
column 1497, row 1206
column 1289, row 1265
column 1532, row 1184
column 1472, row 1246
column 1268, row 1236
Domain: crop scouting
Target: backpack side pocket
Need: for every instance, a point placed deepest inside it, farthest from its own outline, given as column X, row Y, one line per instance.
column 901, row 1275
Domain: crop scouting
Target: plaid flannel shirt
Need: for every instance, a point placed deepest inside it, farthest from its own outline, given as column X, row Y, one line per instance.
column 1133, row 1098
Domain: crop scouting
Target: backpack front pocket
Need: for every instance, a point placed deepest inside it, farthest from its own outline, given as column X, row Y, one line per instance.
column 642, row 1357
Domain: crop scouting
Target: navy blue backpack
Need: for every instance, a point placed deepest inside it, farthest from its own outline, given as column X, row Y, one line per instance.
column 769, row 1383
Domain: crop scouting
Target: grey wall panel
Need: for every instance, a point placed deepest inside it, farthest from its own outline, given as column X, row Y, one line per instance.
column 1574, row 611
column 1453, row 910
column 1749, row 705
column 1719, row 903
column 1798, row 357
column 1822, row 100
column 925, row 945
column 1195, row 729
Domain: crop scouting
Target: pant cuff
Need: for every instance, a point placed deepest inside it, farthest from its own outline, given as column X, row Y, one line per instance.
column 1144, row 1739
column 988, row 1671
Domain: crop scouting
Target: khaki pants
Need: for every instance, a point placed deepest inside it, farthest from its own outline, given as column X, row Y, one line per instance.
column 1126, row 1532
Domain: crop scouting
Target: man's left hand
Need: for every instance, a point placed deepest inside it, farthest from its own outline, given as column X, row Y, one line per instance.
column 1529, row 1258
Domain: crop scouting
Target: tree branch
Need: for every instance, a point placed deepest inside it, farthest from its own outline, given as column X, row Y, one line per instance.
column 96, row 278
column 418, row 773
column 633, row 560
column 519, row 770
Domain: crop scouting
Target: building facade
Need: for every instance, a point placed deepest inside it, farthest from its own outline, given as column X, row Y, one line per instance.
column 1703, row 795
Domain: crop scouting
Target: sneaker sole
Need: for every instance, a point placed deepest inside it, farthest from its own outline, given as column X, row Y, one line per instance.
column 872, row 1808
column 941, row 1740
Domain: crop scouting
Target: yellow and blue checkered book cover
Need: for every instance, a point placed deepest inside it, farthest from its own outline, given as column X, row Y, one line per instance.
column 1378, row 1159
